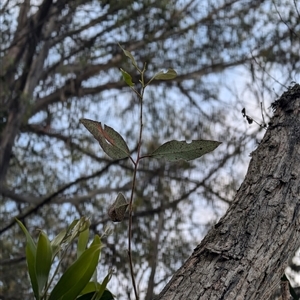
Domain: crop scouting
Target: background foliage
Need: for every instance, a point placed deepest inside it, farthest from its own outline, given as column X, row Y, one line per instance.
column 60, row 62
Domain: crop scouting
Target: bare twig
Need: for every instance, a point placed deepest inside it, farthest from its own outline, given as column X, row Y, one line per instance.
column 140, row 95
column 52, row 196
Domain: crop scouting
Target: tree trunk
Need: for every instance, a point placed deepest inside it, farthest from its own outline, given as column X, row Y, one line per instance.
column 21, row 51
column 244, row 256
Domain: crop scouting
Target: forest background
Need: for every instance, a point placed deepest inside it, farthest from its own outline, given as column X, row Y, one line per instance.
column 60, row 62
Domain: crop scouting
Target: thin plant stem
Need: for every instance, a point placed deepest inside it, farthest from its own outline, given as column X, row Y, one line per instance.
column 130, row 230
column 136, row 163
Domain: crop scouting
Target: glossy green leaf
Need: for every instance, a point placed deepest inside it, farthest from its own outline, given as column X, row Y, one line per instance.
column 43, row 260
column 170, row 74
column 86, row 296
column 107, row 295
column 31, row 259
column 82, row 241
column 102, row 289
column 130, row 56
column 127, row 77
column 97, row 241
column 110, row 141
column 77, row 275
column 91, row 287
column 175, row 150
column 97, row 290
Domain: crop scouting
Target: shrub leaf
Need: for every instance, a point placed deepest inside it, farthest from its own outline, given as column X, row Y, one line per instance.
column 43, row 260
column 170, row 74
column 31, row 259
column 82, row 241
column 77, row 275
column 127, row 77
column 130, row 56
column 175, row 150
column 110, row 140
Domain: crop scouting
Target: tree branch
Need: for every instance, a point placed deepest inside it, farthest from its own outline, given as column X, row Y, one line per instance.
column 52, row 196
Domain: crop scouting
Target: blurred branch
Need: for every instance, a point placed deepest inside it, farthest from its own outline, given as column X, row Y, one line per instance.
column 150, row 212
column 52, row 196
column 10, row 261
column 154, row 255
column 30, row 199
column 291, row 30
column 39, row 130
column 296, row 7
column 4, row 6
column 70, row 89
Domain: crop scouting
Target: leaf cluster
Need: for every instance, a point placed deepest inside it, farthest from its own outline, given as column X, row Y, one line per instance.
column 79, row 281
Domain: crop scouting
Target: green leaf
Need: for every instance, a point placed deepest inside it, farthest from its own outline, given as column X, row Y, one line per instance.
column 98, row 289
column 127, row 77
column 77, row 275
column 129, row 55
column 96, row 241
column 57, row 241
column 107, row 295
column 82, row 225
column 71, row 232
column 76, row 227
column 86, row 296
column 170, row 74
column 110, row 141
column 31, row 259
column 103, row 286
column 82, row 241
column 91, row 287
column 175, row 150
column 43, row 260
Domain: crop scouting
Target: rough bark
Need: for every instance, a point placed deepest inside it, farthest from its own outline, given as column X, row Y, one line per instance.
column 244, row 256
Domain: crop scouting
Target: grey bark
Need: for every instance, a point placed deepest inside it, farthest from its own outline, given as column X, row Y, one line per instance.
column 244, row 256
